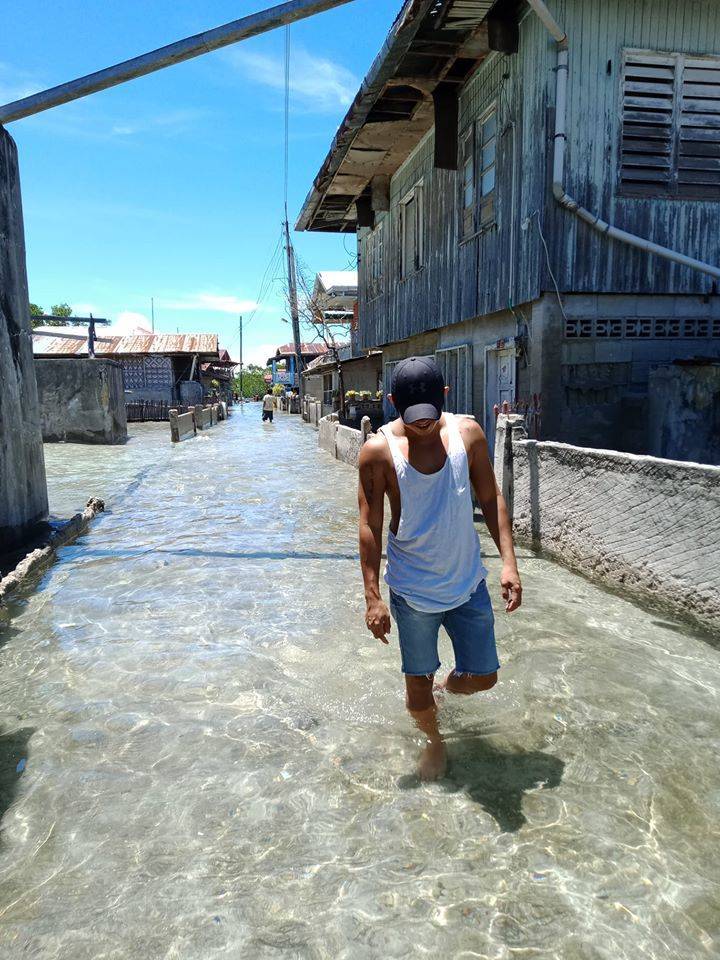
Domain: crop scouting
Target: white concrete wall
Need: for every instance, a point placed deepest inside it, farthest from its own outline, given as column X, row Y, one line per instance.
column 646, row 526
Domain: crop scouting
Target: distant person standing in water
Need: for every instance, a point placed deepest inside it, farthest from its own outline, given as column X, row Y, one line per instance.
column 427, row 462
column 268, row 406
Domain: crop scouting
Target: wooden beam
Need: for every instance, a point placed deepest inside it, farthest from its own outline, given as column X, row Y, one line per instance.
column 365, row 214
column 380, row 193
column 445, row 99
column 503, row 34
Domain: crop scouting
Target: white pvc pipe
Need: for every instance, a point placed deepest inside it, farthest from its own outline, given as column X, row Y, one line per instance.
column 560, row 141
column 250, row 26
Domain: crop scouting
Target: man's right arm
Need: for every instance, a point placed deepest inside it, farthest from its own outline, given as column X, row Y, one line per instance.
column 371, row 499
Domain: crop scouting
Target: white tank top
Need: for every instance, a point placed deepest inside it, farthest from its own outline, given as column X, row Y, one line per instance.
column 434, row 561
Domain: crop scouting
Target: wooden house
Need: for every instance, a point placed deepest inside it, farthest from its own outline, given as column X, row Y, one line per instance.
column 536, row 191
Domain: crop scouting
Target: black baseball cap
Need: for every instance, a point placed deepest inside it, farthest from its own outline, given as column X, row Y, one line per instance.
column 418, row 389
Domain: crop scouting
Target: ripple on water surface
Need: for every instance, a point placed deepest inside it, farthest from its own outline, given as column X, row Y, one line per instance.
column 218, row 763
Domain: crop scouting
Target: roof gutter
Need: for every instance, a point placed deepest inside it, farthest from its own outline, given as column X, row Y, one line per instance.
column 382, row 69
column 560, row 143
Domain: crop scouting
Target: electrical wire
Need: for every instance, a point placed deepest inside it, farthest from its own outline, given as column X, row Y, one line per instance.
column 536, row 216
column 268, row 279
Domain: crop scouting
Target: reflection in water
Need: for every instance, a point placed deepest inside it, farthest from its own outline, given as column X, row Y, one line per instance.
column 219, row 762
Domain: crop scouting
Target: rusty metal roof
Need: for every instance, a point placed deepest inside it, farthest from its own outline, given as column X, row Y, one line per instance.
column 306, row 349
column 74, row 343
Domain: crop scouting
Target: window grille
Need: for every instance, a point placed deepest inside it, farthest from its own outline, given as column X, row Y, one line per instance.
column 487, row 147
column 328, row 389
column 468, row 184
column 671, row 126
column 456, row 366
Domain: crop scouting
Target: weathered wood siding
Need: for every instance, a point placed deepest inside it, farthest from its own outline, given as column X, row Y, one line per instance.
column 599, row 30
column 506, row 265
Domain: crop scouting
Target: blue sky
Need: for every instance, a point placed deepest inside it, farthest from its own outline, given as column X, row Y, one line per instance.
column 171, row 186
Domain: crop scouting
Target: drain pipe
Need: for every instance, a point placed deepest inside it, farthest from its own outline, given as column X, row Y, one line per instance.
column 560, row 142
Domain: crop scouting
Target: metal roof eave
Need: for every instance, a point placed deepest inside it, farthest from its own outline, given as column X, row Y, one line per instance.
column 414, row 16
column 392, row 51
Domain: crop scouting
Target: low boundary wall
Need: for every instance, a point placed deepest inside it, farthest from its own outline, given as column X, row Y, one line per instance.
column 198, row 418
column 647, row 526
column 341, row 442
column 81, row 400
column 33, row 564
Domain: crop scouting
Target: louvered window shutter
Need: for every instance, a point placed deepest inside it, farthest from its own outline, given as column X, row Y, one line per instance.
column 698, row 173
column 671, row 126
column 648, row 124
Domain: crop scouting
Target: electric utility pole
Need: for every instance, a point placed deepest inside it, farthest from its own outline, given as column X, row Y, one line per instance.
column 241, row 388
column 294, row 316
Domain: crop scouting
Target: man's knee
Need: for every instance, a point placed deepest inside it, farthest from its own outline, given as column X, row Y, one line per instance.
column 469, row 683
column 418, row 692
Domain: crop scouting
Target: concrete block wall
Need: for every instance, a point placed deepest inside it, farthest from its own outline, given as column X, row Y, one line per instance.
column 23, row 491
column 82, row 400
column 646, row 526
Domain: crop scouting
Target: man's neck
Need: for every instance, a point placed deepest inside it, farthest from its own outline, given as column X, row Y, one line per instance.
column 423, row 441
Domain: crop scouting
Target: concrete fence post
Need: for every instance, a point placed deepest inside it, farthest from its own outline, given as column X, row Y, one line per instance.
column 508, row 427
column 365, row 429
column 174, row 427
column 198, row 410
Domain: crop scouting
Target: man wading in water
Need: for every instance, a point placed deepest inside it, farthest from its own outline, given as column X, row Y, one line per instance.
column 425, row 462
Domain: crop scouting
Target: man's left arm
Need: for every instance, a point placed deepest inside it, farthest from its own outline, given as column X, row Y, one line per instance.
column 492, row 504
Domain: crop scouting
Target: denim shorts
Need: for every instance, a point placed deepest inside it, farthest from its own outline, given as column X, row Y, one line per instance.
column 471, row 628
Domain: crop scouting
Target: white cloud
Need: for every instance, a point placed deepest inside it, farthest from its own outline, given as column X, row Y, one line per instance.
column 127, row 322
column 259, row 354
column 167, row 123
column 85, row 309
column 208, row 302
column 318, row 83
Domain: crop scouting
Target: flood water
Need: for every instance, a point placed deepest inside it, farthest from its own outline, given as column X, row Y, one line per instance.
column 204, row 754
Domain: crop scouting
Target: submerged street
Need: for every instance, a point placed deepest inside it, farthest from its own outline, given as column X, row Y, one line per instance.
column 204, row 753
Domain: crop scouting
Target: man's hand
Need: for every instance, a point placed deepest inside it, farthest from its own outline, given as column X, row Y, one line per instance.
column 511, row 587
column 377, row 619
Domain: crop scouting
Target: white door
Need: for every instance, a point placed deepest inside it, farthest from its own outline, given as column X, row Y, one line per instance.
column 499, row 387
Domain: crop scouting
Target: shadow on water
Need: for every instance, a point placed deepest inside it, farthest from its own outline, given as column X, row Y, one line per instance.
column 13, row 758
column 494, row 778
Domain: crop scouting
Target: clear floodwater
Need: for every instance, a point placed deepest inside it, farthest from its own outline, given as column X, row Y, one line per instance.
column 204, row 754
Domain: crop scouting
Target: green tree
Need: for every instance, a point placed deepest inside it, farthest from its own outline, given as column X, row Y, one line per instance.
column 62, row 310
column 253, row 383
column 36, row 315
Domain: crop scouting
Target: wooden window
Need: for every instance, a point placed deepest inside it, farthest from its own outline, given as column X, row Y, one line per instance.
column 467, row 202
column 487, row 141
column 411, row 230
column 456, row 366
column 671, row 126
column 328, row 389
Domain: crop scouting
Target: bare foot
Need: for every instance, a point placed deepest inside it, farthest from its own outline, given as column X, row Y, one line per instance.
column 433, row 761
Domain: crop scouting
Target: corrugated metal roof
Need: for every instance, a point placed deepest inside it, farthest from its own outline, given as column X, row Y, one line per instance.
column 288, row 349
column 75, row 344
